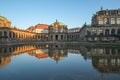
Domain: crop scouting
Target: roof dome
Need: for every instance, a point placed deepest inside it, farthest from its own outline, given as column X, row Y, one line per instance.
column 3, row 18
column 4, row 22
column 58, row 24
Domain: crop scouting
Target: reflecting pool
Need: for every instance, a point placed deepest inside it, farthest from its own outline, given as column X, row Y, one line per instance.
column 59, row 62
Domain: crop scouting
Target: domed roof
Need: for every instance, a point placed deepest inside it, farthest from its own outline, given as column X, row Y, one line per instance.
column 3, row 18
column 4, row 22
column 58, row 24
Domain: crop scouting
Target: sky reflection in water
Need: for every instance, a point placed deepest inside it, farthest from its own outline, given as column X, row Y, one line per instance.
column 59, row 62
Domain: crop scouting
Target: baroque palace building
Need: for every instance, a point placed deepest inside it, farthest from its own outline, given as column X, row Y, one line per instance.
column 105, row 26
column 40, row 32
column 57, row 31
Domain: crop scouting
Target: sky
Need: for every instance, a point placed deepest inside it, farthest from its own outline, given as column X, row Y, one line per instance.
column 73, row 13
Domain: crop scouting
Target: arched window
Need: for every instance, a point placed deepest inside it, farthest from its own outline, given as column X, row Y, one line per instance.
column 61, row 37
column 118, row 20
column 118, row 32
column 106, row 20
column 100, row 21
column 88, row 33
column 107, row 32
column 113, row 51
column 67, row 36
column 13, row 35
column 10, row 34
column 0, row 34
column 56, row 37
column 112, row 20
column 5, row 34
column 94, row 33
column 107, row 51
column 113, row 32
column 21, row 36
column 16, row 35
column 38, row 37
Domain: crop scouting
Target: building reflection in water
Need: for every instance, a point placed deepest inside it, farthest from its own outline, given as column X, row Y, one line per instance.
column 39, row 53
column 5, row 56
column 104, row 59
column 57, row 52
column 4, row 60
column 107, row 60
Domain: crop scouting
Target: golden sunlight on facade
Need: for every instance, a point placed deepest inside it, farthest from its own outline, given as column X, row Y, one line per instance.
column 105, row 26
column 4, row 60
column 4, row 22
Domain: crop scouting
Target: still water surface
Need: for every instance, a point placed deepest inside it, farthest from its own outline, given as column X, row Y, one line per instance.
column 59, row 62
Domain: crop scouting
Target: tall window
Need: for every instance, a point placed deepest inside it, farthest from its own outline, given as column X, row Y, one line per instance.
column 88, row 33
column 118, row 32
column 113, row 32
column 0, row 34
column 5, row 34
column 106, row 20
column 10, row 34
column 112, row 20
column 107, row 32
column 118, row 20
column 61, row 30
column 57, row 30
column 100, row 21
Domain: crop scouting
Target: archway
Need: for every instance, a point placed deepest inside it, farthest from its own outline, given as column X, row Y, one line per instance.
column 51, row 37
column 118, row 32
column 107, row 32
column 94, row 33
column 5, row 34
column 88, row 33
column 56, row 37
column 0, row 34
column 113, row 32
column 61, row 37
column 10, row 35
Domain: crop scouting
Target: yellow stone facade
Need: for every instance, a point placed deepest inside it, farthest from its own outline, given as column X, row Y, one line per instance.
column 4, row 22
column 12, row 34
column 57, row 32
column 58, row 27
